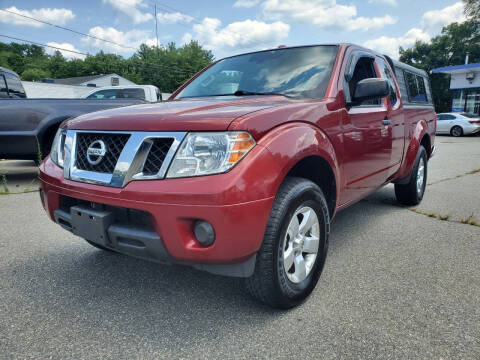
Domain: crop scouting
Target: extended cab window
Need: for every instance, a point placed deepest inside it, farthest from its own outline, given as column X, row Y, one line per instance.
column 416, row 87
column 15, row 87
column 296, row 72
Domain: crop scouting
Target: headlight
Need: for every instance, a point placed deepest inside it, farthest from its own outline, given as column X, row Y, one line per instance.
column 210, row 153
column 57, row 152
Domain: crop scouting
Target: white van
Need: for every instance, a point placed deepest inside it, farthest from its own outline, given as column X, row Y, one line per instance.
column 148, row 93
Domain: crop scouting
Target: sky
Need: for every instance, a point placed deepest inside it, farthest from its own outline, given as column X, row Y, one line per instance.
column 226, row 27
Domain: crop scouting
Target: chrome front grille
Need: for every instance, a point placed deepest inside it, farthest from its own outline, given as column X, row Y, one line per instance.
column 156, row 156
column 114, row 158
column 114, row 144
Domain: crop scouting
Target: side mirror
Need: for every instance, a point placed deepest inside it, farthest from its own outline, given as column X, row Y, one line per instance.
column 372, row 88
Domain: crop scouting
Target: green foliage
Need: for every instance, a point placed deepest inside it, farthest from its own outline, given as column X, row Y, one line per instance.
column 165, row 67
column 34, row 74
column 449, row 48
column 472, row 9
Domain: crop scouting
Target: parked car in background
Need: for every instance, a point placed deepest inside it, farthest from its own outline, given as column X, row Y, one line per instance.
column 148, row 93
column 10, row 85
column 242, row 173
column 458, row 124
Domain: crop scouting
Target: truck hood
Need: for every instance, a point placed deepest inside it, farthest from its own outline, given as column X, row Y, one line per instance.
column 212, row 113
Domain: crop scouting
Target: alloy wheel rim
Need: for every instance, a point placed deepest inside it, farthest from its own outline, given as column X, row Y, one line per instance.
column 301, row 243
column 456, row 131
column 420, row 176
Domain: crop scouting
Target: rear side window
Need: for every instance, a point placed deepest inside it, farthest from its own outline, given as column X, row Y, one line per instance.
column 445, row 117
column 104, row 94
column 416, row 87
column 134, row 94
column 3, row 87
column 15, row 87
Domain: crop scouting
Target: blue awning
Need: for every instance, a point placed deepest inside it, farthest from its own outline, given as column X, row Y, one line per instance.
column 456, row 68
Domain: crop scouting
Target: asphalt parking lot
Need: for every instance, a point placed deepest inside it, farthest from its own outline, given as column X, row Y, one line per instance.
column 399, row 283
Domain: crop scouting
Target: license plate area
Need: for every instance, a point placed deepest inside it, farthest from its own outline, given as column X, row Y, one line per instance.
column 91, row 224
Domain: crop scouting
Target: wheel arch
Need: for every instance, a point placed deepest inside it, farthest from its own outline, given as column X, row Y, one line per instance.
column 300, row 147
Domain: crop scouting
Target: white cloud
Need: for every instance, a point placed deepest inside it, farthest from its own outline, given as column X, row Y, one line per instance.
column 390, row 45
column 173, row 18
column 433, row 21
column 324, row 13
column 55, row 16
column 387, row 2
column 131, row 9
column 240, row 35
column 246, row 3
column 66, row 54
column 133, row 38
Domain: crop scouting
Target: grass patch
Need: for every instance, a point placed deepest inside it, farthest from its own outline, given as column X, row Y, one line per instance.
column 4, row 189
column 468, row 221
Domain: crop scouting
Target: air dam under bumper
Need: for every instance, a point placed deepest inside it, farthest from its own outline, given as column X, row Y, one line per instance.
column 173, row 207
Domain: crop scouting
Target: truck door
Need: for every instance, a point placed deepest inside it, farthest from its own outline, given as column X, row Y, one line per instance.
column 366, row 138
column 394, row 122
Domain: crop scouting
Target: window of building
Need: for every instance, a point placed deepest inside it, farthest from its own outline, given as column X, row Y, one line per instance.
column 472, row 105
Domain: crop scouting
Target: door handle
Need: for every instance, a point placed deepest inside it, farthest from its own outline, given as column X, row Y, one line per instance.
column 386, row 122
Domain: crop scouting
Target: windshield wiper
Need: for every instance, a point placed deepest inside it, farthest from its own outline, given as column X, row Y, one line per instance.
column 246, row 93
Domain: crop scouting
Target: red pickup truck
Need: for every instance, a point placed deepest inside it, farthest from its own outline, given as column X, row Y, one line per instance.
column 241, row 172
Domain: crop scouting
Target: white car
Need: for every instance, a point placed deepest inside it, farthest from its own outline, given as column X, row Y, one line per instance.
column 148, row 93
column 458, row 124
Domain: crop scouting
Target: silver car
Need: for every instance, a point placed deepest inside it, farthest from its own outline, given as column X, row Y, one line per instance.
column 458, row 124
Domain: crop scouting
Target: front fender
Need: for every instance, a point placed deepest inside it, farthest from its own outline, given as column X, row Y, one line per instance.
column 295, row 141
column 420, row 129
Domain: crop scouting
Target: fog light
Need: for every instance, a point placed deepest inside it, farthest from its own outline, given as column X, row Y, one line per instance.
column 204, row 233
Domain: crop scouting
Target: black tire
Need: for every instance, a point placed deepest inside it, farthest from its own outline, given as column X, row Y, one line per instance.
column 411, row 194
column 456, row 131
column 99, row 246
column 270, row 283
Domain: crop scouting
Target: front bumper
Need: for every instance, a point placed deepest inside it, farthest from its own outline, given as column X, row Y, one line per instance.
column 237, row 204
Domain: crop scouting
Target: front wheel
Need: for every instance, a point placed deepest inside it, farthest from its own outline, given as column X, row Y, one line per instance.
column 294, row 248
column 412, row 192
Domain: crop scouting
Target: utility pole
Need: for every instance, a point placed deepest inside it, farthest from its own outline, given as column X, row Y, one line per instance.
column 156, row 24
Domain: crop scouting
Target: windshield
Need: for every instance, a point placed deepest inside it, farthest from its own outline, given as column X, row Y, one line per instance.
column 296, row 72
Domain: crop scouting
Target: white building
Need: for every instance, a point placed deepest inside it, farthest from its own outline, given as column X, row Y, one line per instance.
column 74, row 87
column 465, row 86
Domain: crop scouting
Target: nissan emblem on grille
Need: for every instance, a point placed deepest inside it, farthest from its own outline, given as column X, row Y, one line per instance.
column 96, row 151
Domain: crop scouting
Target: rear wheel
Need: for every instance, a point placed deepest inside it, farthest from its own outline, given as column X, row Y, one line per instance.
column 412, row 192
column 294, row 247
column 456, row 131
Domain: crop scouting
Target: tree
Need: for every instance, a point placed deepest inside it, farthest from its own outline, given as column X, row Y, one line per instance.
column 449, row 48
column 34, row 74
column 472, row 9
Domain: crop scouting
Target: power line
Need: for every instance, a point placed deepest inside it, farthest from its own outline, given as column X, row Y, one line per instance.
column 44, row 45
column 67, row 29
